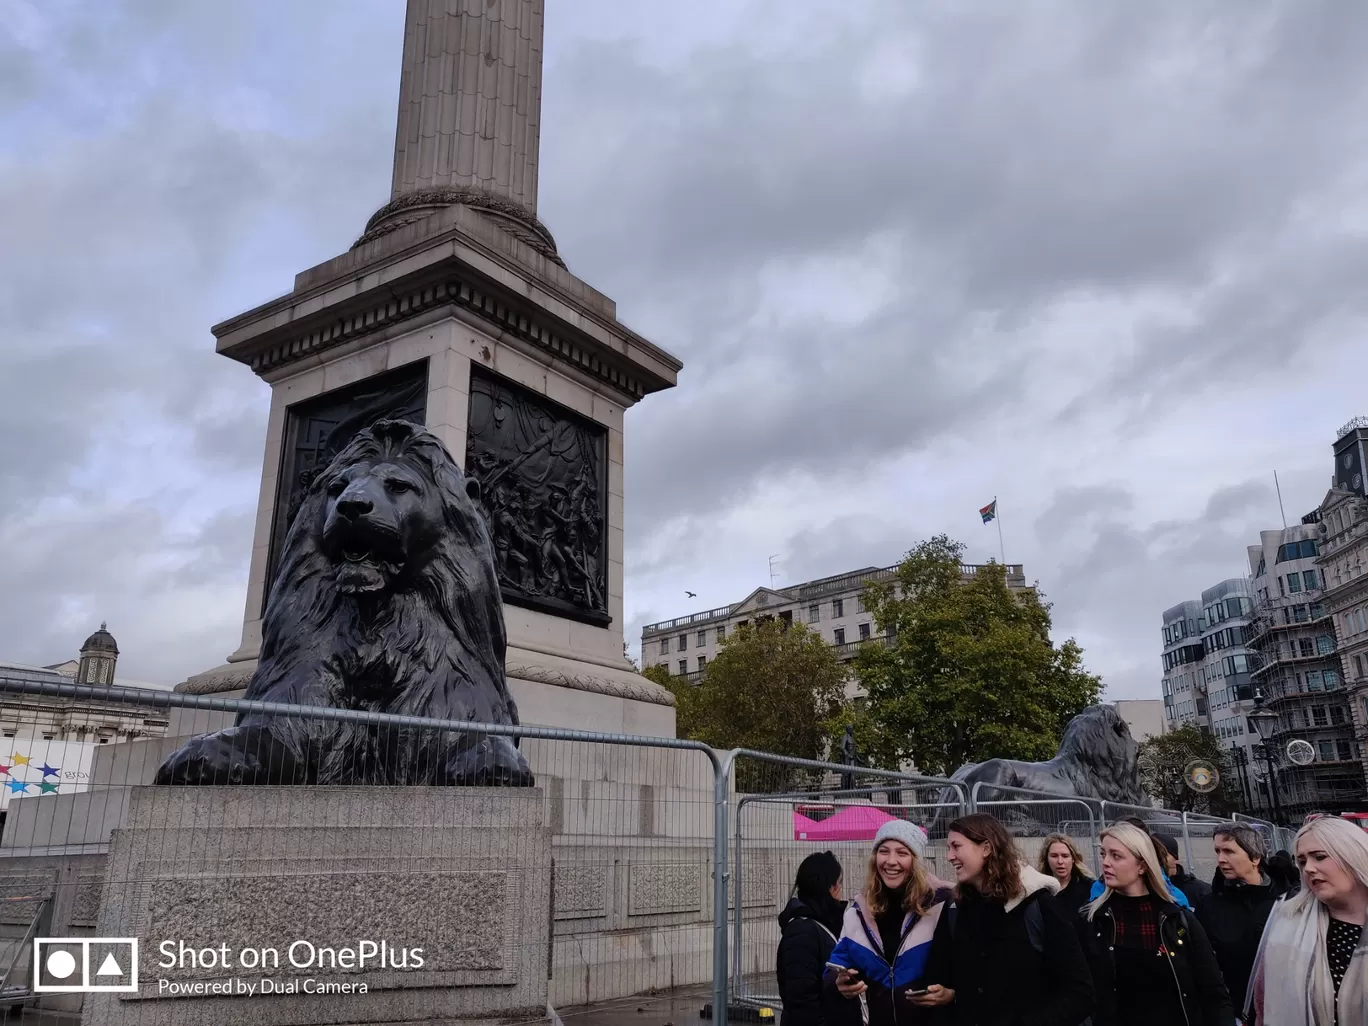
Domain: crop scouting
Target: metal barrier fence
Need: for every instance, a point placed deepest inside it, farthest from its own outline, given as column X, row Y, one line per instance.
column 606, row 880
column 613, row 878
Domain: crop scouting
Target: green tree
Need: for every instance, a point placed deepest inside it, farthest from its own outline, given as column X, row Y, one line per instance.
column 969, row 672
column 1164, row 760
column 773, row 687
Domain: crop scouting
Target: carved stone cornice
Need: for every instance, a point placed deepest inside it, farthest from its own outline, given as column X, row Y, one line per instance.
column 388, row 309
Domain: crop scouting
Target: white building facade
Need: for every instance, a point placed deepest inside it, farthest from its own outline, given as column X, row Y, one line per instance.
column 832, row 607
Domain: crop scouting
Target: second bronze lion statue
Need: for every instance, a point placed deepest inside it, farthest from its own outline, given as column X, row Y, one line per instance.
column 387, row 601
column 1098, row 759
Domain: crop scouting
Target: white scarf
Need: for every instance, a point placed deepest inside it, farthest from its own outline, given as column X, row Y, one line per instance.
column 1294, row 972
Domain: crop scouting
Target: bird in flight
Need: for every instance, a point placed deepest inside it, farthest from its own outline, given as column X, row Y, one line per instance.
column 691, row 594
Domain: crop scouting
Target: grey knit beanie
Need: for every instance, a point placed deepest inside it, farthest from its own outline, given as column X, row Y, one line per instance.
column 900, row 830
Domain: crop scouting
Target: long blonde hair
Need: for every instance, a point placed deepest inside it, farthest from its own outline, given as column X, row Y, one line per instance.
column 1139, row 844
column 1079, row 866
column 916, row 895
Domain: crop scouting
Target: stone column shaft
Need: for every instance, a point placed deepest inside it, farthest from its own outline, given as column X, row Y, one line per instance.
column 470, row 98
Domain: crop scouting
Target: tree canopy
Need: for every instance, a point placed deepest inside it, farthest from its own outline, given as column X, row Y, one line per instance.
column 1163, row 760
column 772, row 687
column 969, row 671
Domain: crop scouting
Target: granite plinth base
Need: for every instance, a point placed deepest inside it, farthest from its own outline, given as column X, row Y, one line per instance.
column 446, row 892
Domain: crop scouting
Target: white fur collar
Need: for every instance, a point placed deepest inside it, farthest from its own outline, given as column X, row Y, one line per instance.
column 1032, row 880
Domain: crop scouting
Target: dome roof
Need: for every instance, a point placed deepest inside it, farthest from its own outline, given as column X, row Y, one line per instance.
column 101, row 641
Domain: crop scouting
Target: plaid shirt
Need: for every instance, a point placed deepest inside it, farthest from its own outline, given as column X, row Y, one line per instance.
column 1137, row 921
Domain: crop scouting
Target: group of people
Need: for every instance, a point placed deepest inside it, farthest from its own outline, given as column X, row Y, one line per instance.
column 1271, row 941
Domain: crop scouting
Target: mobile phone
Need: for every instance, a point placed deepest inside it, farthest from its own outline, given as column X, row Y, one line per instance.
column 918, row 993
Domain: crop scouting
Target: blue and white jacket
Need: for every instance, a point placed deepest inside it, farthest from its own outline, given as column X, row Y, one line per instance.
column 860, row 948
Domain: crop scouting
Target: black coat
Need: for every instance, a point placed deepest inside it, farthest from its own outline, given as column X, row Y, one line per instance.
column 1196, row 975
column 1233, row 915
column 1195, row 890
column 987, row 955
column 1075, row 896
column 804, row 947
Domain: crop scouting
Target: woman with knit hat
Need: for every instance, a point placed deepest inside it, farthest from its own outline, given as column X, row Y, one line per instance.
column 886, row 934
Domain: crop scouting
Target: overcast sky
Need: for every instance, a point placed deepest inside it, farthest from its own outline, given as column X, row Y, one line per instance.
column 1103, row 260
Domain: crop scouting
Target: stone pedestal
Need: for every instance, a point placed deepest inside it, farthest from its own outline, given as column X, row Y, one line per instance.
column 464, row 874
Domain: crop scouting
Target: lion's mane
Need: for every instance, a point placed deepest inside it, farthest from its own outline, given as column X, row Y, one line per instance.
column 433, row 647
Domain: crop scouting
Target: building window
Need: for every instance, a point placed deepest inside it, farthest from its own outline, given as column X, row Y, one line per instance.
column 1309, row 579
column 1306, row 648
column 837, row 608
column 864, row 632
column 683, row 667
column 665, row 646
column 1331, row 679
column 1317, row 610
column 1313, row 681
column 1318, row 717
column 1358, row 666
column 48, row 737
column 859, row 604
column 1336, row 715
column 1293, row 584
column 682, row 643
column 815, row 613
column 1282, row 590
column 1346, row 751
column 838, row 636
column 1327, row 751
column 721, row 634
column 9, row 733
column 1325, row 644
column 702, row 663
column 1299, row 613
column 702, row 638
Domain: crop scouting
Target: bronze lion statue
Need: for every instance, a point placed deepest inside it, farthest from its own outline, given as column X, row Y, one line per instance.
column 1097, row 759
column 386, row 600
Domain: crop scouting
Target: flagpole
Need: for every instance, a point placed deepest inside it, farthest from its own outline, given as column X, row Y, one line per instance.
column 997, row 515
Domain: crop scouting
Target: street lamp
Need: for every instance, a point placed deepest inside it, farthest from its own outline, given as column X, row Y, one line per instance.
column 1266, row 723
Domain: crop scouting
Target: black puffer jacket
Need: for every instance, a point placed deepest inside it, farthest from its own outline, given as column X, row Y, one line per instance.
column 1074, row 896
column 804, row 948
column 1196, row 976
column 1196, row 891
column 1011, row 965
column 1233, row 915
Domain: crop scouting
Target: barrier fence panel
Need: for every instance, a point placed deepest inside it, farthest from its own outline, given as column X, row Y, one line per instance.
column 604, row 881
column 783, row 810
column 1034, row 815
column 1275, row 838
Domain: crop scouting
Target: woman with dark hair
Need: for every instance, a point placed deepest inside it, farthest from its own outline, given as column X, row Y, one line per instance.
column 1282, row 870
column 1061, row 859
column 810, row 924
column 1005, row 955
column 882, row 956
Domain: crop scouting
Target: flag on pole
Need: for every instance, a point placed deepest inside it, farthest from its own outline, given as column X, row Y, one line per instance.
column 989, row 512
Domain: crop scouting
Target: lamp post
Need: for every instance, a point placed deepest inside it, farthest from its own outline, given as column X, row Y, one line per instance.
column 1266, row 723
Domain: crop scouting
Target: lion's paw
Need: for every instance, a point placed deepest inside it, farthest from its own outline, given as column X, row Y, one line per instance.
column 492, row 762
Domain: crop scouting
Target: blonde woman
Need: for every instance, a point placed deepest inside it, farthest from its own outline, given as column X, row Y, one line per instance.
column 1061, row 859
column 1150, row 959
column 886, row 934
column 1312, row 967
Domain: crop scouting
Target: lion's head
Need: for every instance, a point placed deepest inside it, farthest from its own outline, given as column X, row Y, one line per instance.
column 1100, row 740
column 392, row 529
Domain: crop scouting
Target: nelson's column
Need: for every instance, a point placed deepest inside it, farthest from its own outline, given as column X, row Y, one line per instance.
column 455, row 309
